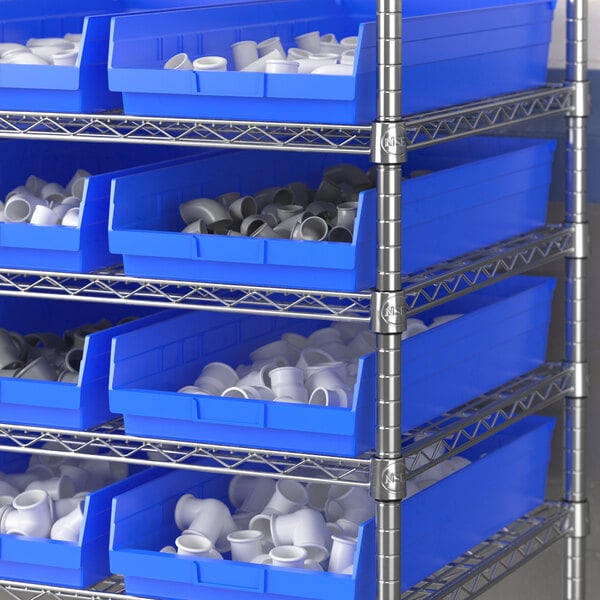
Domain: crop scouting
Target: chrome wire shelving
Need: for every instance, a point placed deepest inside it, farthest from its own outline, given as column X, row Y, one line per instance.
column 445, row 281
column 451, row 433
column 467, row 425
column 465, row 578
column 423, row 290
column 114, row 286
column 422, row 129
column 488, row 115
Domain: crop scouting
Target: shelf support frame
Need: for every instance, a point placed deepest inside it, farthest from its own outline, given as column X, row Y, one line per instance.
column 389, row 152
column 576, row 296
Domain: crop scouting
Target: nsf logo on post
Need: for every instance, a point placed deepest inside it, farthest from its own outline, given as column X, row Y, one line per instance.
column 392, row 481
column 392, row 312
column 392, row 141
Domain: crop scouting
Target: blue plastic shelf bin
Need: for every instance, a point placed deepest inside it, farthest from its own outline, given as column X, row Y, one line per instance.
column 483, row 190
column 505, row 480
column 54, row 562
column 502, row 334
column 70, row 249
column 61, row 404
column 451, row 55
column 79, row 88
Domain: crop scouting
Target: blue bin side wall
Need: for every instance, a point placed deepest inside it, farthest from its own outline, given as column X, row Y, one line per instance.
column 218, row 337
column 521, row 452
column 57, row 160
column 30, row 315
column 212, row 30
column 151, row 201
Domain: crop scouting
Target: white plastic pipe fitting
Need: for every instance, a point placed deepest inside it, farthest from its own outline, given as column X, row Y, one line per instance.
column 244, row 53
column 259, row 496
column 20, row 207
column 270, row 45
column 30, row 515
column 288, row 382
column 246, row 544
column 288, row 496
column 209, row 517
column 42, row 215
column 56, row 488
column 291, row 557
column 305, row 528
column 179, row 62
column 342, row 554
column 311, row 357
column 210, row 63
column 216, row 377
column 354, row 504
column 68, row 528
column 311, row 41
column 189, row 544
column 256, row 392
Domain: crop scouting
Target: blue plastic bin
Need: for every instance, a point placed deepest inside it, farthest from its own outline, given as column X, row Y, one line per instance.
column 80, row 88
column 483, row 190
column 61, row 563
column 506, row 479
column 62, row 404
column 451, row 54
column 502, row 334
column 72, row 249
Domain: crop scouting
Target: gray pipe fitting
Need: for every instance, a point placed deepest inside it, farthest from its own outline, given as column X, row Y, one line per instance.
column 198, row 226
column 251, row 224
column 206, row 209
column 340, row 234
column 348, row 173
column 346, row 215
column 242, row 208
column 313, row 229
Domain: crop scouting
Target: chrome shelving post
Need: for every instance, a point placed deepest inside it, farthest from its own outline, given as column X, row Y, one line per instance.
column 388, row 147
column 576, row 268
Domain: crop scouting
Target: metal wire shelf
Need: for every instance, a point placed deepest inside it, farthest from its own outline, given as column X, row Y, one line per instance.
column 110, row 442
column 111, row 588
column 466, row 577
column 115, row 127
column 453, row 432
column 471, row 423
column 113, row 286
column 487, row 115
column 422, row 129
column 433, row 286
column 446, row 281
